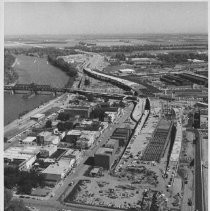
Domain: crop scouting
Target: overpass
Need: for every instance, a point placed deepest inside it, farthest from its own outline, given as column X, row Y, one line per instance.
column 122, row 83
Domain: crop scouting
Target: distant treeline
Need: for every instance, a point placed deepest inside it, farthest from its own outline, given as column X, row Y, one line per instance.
column 64, row 66
column 129, row 48
column 10, row 75
column 170, row 58
column 181, row 57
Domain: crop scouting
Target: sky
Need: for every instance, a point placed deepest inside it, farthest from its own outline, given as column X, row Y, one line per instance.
column 105, row 18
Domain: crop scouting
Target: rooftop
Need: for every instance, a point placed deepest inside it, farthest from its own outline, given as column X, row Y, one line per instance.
column 104, row 150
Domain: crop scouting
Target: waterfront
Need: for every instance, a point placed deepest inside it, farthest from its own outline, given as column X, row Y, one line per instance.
column 37, row 70
column 15, row 105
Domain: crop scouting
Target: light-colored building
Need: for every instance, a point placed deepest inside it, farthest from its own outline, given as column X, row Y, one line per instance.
column 57, row 171
column 47, row 151
column 37, row 117
column 127, row 71
column 29, row 140
column 23, row 158
column 72, row 136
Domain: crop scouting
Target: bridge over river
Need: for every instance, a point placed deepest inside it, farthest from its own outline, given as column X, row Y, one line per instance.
column 39, row 89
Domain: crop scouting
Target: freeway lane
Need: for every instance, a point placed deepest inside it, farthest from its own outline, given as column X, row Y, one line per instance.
column 199, row 201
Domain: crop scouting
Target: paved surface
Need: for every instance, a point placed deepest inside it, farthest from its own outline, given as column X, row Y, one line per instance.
column 199, row 202
column 204, row 145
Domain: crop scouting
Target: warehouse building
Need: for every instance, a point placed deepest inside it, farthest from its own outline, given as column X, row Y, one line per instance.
column 121, row 134
column 20, row 157
column 37, row 117
column 127, row 71
column 55, row 172
column 112, row 144
column 29, row 140
column 82, row 111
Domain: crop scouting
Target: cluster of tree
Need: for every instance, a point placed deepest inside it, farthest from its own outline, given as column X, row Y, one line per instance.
column 173, row 58
column 63, row 116
column 48, row 124
column 87, row 82
column 24, row 181
column 12, row 205
column 41, row 52
column 98, row 113
column 120, row 56
column 63, row 126
column 141, row 55
column 69, row 69
column 10, row 75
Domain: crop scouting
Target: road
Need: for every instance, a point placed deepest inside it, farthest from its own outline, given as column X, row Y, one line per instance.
column 199, row 200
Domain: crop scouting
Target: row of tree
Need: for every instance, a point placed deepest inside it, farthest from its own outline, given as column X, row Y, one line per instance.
column 24, row 181
column 40, row 52
column 10, row 74
column 69, row 69
column 181, row 57
column 12, row 205
column 130, row 48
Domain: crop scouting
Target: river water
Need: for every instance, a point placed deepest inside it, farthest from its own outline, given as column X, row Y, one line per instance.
column 37, row 70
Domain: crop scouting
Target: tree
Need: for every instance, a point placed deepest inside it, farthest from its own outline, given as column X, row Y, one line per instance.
column 63, row 116
column 5, row 139
column 90, row 97
column 68, row 125
column 61, row 126
column 16, row 205
column 87, row 82
column 7, row 197
column 48, row 124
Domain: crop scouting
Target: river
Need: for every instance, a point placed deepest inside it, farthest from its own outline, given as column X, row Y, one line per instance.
column 37, row 70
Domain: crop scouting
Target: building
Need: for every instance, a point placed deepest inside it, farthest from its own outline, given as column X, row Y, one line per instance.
column 95, row 172
column 42, row 137
column 110, row 116
column 112, row 144
column 37, row 117
column 82, row 111
column 29, row 140
column 127, row 71
column 121, row 134
column 47, row 151
column 72, row 136
column 57, row 171
column 104, row 157
column 22, row 158
column 87, row 139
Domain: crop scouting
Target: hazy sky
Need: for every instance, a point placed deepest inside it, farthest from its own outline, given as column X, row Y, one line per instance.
column 105, row 18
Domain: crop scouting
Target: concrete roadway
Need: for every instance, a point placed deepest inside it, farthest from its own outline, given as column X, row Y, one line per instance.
column 53, row 202
column 199, row 200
